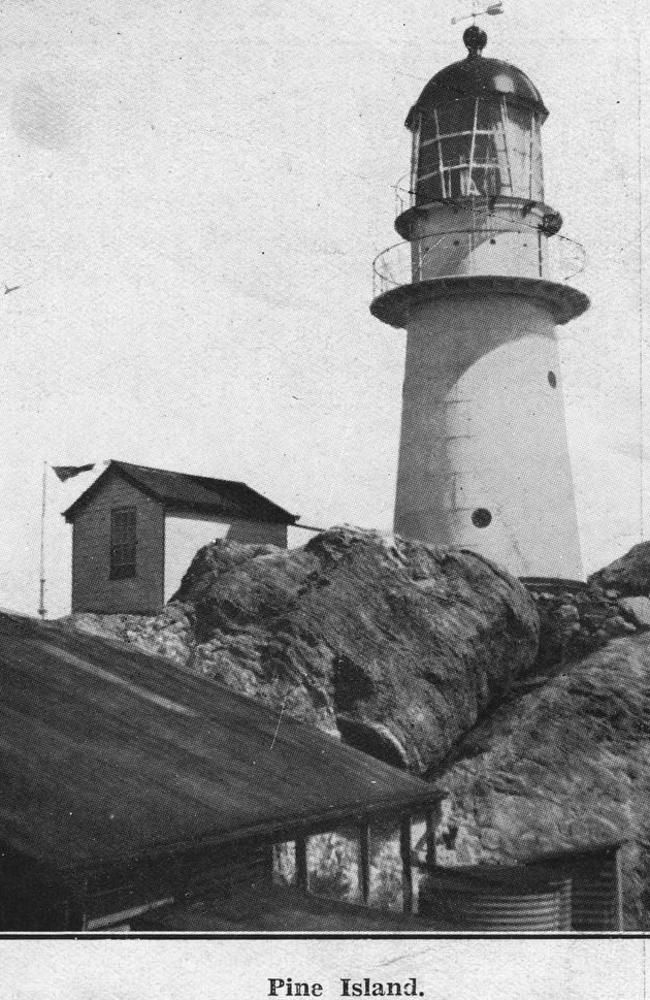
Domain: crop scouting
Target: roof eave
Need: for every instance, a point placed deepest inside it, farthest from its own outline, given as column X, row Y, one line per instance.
column 178, row 507
column 113, row 466
column 273, row 830
column 451, row 95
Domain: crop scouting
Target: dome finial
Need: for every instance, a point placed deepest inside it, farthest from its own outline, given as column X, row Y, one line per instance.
column 475, row 39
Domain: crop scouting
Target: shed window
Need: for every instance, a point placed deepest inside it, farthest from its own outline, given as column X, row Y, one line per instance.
column 123, row 542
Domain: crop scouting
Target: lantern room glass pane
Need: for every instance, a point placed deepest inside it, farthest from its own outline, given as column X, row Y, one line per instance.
column 537, row 165
column 456, row 116
column 478, row 148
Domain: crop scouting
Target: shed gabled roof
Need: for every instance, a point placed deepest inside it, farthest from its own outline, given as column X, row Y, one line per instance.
column 185, row 493
column 108, row 756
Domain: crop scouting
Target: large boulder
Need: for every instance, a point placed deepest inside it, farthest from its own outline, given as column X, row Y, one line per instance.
column 397, row 646
column 566, row 765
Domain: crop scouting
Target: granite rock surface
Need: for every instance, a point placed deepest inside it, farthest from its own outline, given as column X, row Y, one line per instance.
column 532, row 712
column 397, row 646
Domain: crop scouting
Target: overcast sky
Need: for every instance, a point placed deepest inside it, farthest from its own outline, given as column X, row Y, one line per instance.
column 192, row 194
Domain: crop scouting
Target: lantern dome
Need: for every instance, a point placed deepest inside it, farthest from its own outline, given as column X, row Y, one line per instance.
column 476, row 76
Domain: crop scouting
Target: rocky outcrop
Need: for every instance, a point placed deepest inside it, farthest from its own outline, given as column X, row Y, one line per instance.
column 169, row 634
column 577, row 622
column 628, row 576
column 429, row 659
column 398, row 646
column 564, row 766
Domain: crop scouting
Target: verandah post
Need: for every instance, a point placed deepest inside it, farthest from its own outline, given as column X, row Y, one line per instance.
column 302, row 875
column 407, row 870
column 364, row 861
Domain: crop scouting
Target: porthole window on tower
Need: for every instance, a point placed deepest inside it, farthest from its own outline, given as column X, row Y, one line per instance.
column 552, row 380
column 481, row 517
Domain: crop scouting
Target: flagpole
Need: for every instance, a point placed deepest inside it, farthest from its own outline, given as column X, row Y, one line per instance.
column 41, row 607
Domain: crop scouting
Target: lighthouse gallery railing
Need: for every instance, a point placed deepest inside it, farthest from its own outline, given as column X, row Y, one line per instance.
column 477, row 251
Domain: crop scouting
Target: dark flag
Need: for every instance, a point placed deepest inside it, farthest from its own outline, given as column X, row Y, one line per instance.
column 64, row 472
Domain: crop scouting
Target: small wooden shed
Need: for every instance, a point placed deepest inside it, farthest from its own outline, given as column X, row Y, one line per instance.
column 129, row 782
column 136, row 529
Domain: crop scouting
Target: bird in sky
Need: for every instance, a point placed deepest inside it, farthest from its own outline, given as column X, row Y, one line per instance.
column 14, row 288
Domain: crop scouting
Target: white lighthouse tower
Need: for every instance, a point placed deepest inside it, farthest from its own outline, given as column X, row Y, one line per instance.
column 480, row 287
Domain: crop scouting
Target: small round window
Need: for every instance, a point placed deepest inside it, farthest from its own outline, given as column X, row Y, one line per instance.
column 481, row 517
column 552, row 380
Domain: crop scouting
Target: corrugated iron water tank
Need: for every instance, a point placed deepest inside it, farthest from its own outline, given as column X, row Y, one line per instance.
column 490, row 898
column 596, row 895
column 596, row 898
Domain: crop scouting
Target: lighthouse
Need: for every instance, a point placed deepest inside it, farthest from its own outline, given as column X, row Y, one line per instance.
column 480, row 283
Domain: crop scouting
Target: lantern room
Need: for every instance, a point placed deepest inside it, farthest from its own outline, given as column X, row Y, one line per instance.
column 476, row 131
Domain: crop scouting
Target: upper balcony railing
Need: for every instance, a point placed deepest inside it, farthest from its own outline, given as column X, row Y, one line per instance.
column 404, row 194
column 513, row 251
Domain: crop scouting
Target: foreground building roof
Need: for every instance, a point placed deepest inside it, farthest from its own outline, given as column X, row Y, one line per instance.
column 110, row 756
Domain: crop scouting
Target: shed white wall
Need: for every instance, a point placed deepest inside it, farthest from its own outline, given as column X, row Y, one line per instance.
column 93, row 588
column 297, row 537
column 183, row 538
column 185, row 535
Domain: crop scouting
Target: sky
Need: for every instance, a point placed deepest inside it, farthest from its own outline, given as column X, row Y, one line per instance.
column 191, row 197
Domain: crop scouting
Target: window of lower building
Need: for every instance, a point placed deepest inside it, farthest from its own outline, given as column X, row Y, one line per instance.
column 123, row 543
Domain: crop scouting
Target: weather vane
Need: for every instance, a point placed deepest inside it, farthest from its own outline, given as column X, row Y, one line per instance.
column 478, row 9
